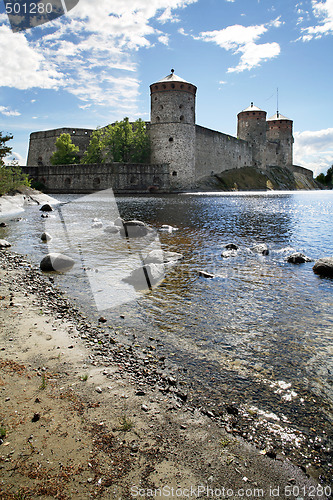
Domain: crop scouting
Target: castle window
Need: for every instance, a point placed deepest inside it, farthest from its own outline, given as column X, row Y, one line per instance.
column 156, row 87
column 85, row 133
column 170, row 139
column 164, row 86
column 172, row 85
column 182, row 86
column 174, row 173
column 68, row 181
column 158, row 118
column 74, row 132
column 180, row 106
column 161, row 107
column 182, row 118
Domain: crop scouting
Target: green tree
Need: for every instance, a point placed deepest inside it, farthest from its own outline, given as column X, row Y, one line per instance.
column 329, row 176
column 327, row 179
column 66, row 152
column 11, row 176
column 4, row 149
column 121, row 142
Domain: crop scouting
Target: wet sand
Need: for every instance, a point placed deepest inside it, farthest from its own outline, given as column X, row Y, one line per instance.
column 85, row 416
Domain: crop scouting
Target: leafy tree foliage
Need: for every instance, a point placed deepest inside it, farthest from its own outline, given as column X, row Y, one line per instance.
column 11, row 176
column 327, row 179
column 66, row 152
column 122, row 142
column 4, row 149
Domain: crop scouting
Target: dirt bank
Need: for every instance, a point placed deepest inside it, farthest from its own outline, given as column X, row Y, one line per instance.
column 82, row 416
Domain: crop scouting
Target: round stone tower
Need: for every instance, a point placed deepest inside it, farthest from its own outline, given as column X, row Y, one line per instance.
column 251, row 127
column 172, row 128
column 280, row 131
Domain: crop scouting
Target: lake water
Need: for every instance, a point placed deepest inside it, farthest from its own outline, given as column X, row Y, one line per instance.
column 258, row 335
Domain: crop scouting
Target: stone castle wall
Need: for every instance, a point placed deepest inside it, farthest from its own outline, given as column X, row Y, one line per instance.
column 121, row 177
column 217, row 152
column 42, row 144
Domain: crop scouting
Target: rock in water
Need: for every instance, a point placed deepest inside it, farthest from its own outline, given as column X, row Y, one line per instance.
column 46, row 208
column 146, row 277
column 4, row 244
column 134, row 229
column 46, row 237
column 231, row 246
column 112, row 229
column 261, row 248
column 119, row 222
column 298, row 258
column 56, row 262
column 324, row 267
column 206, row 275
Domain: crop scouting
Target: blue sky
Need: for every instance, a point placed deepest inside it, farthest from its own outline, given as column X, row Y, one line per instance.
column 94, row 66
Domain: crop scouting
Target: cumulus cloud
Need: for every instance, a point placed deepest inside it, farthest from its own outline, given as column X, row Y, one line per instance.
column 314, row 149
column 323, row 13
column 22, row 66
column 8, row 112
column 241, row 40
column 90, row 53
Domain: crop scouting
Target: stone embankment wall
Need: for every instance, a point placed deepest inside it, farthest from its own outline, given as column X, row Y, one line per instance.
column 122, row 178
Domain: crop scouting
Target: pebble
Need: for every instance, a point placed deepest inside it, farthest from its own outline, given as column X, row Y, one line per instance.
column 144, row 408
column 99, row 390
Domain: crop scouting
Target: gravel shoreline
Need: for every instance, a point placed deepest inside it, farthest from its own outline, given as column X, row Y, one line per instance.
column 136, row 410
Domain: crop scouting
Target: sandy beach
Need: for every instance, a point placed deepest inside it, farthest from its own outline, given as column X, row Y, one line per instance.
column 83, row 416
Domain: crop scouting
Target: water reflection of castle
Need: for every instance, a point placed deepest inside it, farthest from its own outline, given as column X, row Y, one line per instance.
column 192, row 151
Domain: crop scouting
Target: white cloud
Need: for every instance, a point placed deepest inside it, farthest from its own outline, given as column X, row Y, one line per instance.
column 22, row 66
column 90, row 53
column 323, row 12
column 241, row 40
column 8, row 112
column 314, row 150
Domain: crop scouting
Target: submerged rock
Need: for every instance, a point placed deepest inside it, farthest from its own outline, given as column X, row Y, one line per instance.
column 146, row 276
column 324, row 267
column 261, row 248
column 119, row 222
column 112, row 229
column 134, row 229
column 298, row 258
column 5, row 244
column 160, row 257
column 56, row 262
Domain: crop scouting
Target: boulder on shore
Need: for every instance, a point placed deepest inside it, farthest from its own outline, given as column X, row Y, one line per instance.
column 46, row 208
column 112, row 229
column 4, row 244
column 324, row 267
column 56, row 262
column 298, row 258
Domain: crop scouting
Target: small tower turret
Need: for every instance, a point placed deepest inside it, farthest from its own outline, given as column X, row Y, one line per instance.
column 172, row 128
column 251, row 127
column 280, row 132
